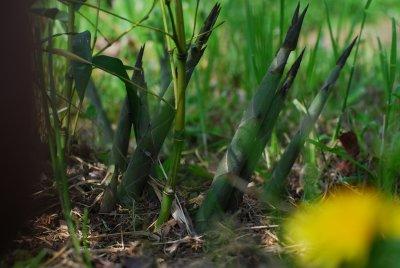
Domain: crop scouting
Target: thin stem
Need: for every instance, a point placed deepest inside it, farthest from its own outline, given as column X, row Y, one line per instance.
column 95, row 7
column 168, row 40
column 179, row 125
column 57, row 153
column 77, row 118
column 180, row 31
column 96, row 24
column 47, row 39
column 126, row 32
column 136, row 24
column 207, row 32
column 195, row 22
column 69, row 78
column 93, row 25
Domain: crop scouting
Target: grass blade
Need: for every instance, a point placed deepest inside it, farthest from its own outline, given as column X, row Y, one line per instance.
column 392, row 75
column 332, row 37
column 349, row 84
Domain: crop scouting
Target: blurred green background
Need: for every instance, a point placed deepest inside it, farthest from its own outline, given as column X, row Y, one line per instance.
column 240, row 51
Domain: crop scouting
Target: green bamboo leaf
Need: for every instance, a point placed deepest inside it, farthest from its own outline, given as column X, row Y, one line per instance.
column 111, row 65
column 275, row 187
column 81, row 71
column 116, row 67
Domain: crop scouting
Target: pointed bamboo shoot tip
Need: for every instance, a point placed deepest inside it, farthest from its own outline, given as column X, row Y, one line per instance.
column 346, row 53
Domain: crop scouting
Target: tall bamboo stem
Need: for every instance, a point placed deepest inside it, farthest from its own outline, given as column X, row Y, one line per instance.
column 179, row 125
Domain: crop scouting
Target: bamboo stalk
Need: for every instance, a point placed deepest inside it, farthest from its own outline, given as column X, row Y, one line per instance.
column 179, row 127
column 168, row 41
column 255, row 122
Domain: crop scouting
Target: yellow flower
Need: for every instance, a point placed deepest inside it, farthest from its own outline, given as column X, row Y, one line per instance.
column 341, row 228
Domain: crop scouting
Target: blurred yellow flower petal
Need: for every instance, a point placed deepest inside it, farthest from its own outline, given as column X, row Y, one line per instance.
column 341, row 228
column 390, row 220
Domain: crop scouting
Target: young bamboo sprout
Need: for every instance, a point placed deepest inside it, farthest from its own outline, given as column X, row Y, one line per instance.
column 274, row 188
column 142, row 122
column 146, row 154
column 123, row 132
column 269, row 122
column 254, row 130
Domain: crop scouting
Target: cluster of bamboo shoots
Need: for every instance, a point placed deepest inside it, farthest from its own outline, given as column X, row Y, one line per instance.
column 131, row 172
column 248, row 143
column 255, row 129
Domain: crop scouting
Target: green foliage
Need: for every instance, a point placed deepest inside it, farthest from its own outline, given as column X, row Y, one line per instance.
column 80, row 71
column 384, row 253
